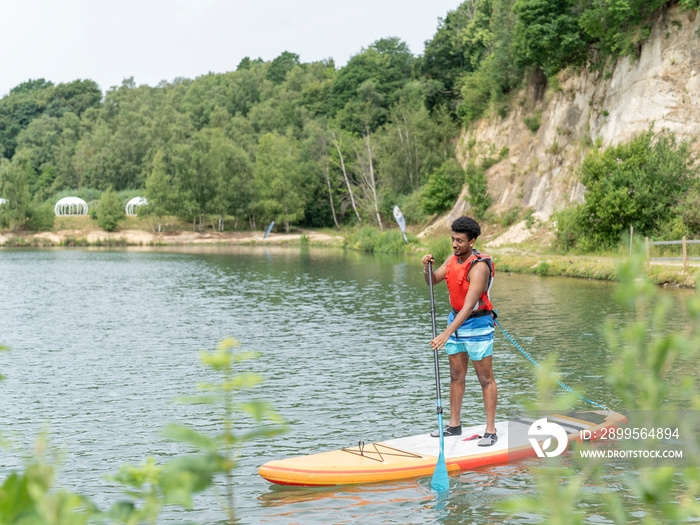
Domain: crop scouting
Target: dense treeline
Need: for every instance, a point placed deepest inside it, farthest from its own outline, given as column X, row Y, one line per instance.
column 486, row 48
column 302, row 143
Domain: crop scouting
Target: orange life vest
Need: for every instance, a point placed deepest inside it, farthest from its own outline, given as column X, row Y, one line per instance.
column 457, row 282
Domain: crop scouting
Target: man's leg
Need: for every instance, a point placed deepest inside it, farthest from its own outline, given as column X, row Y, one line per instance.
column 458, row 371
column 484, row 371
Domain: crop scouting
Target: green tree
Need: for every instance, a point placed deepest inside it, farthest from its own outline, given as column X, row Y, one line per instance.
column 278, row 176
column 548, row 35
column 618, row 26
column 42, row 137
column 40, row 217
column 638, row 184
column 478, row 197
column 159, row 189
column 109, row 211
column 316, row 94
column 114, row 149
column 410, row 143
column 325, row 182
column 197, row 181
column 460, row 44
column 205, row 96
column 387, row 63
column 88, row 158
column 339, row 156
column 231, row 172
column 63, row 174
column 244, row 89
column 689, row 209
column 167, row 128
column 24, row 103
column 497, row 72
column 34, row 98
column 125, row 153
column 368, row 113
column 281, row 106
column 51, row 142
column 476, row 93
column 14, row 187
column 75, row 97
column 503, row 65
column 280, row 66
column 443, row 187
column 245, row 63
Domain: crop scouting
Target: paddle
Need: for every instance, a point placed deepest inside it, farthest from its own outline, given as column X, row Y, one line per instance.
column 441, row 481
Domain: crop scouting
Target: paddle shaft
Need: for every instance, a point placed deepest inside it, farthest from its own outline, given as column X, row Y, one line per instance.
column 435, row 350
column 441, row 480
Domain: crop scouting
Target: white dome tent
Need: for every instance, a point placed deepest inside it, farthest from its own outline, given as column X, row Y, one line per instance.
column 135, row 203
column 3, row 201
column 71, row 206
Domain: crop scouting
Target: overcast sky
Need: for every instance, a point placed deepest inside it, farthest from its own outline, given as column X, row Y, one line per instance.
column 154, row 40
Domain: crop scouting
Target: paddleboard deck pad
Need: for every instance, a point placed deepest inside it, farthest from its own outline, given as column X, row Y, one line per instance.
column 416, row 456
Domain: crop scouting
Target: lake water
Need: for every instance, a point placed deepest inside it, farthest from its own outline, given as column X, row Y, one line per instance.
column 104, row 340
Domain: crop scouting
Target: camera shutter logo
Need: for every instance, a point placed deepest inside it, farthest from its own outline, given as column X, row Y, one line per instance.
column 544, row 429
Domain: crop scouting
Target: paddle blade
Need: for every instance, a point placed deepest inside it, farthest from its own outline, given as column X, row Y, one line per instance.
column 441, row 481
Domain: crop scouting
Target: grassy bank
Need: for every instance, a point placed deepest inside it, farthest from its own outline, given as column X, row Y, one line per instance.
column 370, row 239
column 513, row 259
column 590, row 267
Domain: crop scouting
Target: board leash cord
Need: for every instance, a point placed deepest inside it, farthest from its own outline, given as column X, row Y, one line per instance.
column 538, row 365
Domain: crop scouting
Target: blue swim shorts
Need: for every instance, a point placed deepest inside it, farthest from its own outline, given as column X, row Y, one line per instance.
column 475, row 337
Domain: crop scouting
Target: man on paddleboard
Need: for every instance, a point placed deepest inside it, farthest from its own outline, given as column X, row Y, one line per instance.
column 470, row 326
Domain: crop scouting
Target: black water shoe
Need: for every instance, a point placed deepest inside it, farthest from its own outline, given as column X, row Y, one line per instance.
column 488, row 440
column 448, row 431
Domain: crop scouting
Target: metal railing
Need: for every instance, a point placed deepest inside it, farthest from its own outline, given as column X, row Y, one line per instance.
column 684, row 242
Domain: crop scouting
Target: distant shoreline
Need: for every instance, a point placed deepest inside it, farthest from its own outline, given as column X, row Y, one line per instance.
column 507, row 258
column 169, row 238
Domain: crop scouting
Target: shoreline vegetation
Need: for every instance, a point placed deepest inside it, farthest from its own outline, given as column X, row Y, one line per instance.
column 313, row 146
column 535, row 259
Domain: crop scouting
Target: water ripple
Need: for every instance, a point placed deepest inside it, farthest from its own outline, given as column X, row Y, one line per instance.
column 104, row 340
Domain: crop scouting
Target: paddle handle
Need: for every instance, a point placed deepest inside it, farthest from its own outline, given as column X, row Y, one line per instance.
column 435, row 352
column 432, row 298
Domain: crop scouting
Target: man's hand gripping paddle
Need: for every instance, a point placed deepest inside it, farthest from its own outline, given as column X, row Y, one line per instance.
column 441, row 481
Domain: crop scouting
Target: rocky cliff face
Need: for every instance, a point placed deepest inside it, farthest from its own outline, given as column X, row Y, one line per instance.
column 586, row 109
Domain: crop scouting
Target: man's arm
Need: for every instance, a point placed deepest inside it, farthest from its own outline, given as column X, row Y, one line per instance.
column 437, row 275
column 478, row 283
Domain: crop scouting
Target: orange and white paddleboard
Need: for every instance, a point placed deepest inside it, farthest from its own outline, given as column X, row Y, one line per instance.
column 416, row 456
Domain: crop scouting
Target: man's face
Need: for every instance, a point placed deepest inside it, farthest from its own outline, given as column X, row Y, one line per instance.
column 461, row 245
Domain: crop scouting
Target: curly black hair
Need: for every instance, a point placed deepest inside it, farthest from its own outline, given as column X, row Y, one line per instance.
column 468, row 226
